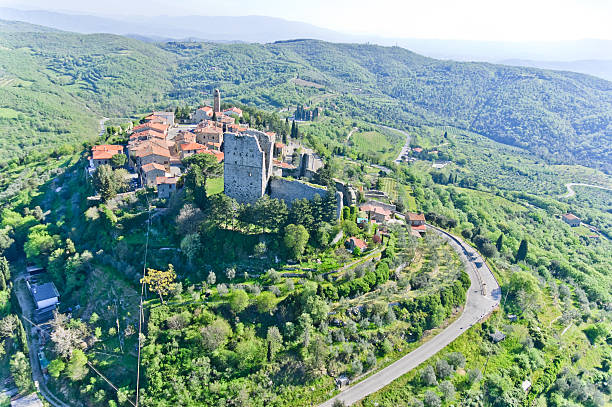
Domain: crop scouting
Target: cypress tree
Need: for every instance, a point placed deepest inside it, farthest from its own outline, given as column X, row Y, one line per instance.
column 4, row 268
column 500, row 242
column 21, row 335
column 522, row 251
column 2, row 283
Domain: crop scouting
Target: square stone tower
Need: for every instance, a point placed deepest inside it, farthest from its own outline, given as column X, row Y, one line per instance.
column 247, row 165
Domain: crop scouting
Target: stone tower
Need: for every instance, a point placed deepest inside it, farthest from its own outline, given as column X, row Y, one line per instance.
column 247, row 165
column 217, row 101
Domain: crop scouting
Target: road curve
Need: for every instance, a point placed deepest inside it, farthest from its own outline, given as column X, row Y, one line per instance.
column 570, row 191
column 483, row 297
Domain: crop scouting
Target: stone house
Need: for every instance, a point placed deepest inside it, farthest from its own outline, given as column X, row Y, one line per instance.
column 203, row 113
column 209, row 134
column 353, row 243
column 189, row 149
column 150, row 172
column 169, row 116
column 102, row 154
column 166, row 186
column 416, row 222
column 378, row 212
column 571, row 219
column 158, row 127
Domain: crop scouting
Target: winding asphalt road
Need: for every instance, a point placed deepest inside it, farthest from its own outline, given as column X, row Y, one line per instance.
column 570, row 191
column 483, row 297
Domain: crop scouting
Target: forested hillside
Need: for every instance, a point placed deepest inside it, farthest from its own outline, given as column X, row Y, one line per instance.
column 564, row 117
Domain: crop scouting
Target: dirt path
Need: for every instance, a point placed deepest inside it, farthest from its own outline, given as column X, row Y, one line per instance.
column 353, row 130
column 570, row 191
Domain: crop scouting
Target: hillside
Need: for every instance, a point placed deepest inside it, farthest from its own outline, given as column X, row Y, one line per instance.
column 561, row 116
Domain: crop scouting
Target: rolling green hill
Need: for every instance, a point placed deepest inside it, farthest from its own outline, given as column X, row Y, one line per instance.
column 561, row 116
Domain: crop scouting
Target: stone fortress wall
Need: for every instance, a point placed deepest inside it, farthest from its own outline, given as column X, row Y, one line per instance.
column 289, row 190
column 245, row 172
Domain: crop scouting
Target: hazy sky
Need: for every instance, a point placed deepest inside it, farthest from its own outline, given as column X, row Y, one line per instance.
column 510, row 20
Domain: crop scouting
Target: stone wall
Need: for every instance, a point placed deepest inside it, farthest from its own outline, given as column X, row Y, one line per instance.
column 290, row 190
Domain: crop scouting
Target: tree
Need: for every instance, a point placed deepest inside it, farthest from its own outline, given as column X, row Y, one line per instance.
column 296, row 238
column 66, row 335
column 431, row 399
column 474, row 375
column 20, row 370
column 266, row 302
column 521, row 254
column 212, row 278
column 39, row 242
column 230, row 273
column 201, row 167
column 443, row 369
column 162, row 282
column 428, row 376
column 238, row 301
column 275, row 342
column 109, row 182
column 488, row 250
column 191, row 246
column 5, row 269
column 448, row 390
column 56, row 367
column 500, row 242
column 7, row 326
column 118, row 160
column 76, row 369
column 456, row 359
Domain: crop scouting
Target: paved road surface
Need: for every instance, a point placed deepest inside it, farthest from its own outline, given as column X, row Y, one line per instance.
column 483, row 297
column 405, row 148
column 570, row 191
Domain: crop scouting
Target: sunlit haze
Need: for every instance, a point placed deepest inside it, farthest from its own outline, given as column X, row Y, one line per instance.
column 518, row 20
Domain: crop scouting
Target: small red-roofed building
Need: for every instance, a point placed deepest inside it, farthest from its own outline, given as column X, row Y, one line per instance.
column 155, row 119
column 209, row 134
column 168, row 116
column 353, row 243
column 189, row 149
column 417, row 223
column 158, row 127
column 166, row 186
column 571, row 219
column 102, row 154
column 203, row 113
column 417, row 150
column 279, row 150
column 233, row 110
column 378, row 212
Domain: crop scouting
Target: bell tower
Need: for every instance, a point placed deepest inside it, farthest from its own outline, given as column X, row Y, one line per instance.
column 217, row 101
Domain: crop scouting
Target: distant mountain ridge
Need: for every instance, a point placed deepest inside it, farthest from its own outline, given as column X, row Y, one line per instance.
column 564, row 117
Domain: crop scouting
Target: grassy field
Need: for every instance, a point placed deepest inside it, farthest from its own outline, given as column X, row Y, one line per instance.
column 214, row 186
column 375, row 142
column 395, row 190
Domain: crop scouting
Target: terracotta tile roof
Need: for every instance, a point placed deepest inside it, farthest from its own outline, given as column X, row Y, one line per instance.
column 419, row 228
column 279, row 145
column 104, row 154
column 192, row 146
column 418, row 149
column 166, row 180
column 153, row 166
column 107, row 147
column 159, row 127
column 152, row 149
column 284, row 165
column 357, row 242
column 375, row 209
column 570, row 216
column 209, row 130
column 217, row 154
column 147, row 134
column 416, row 216
column 271, row 134
column 234, row 109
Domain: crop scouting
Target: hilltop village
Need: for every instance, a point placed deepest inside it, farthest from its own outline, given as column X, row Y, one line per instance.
column 255, row 163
